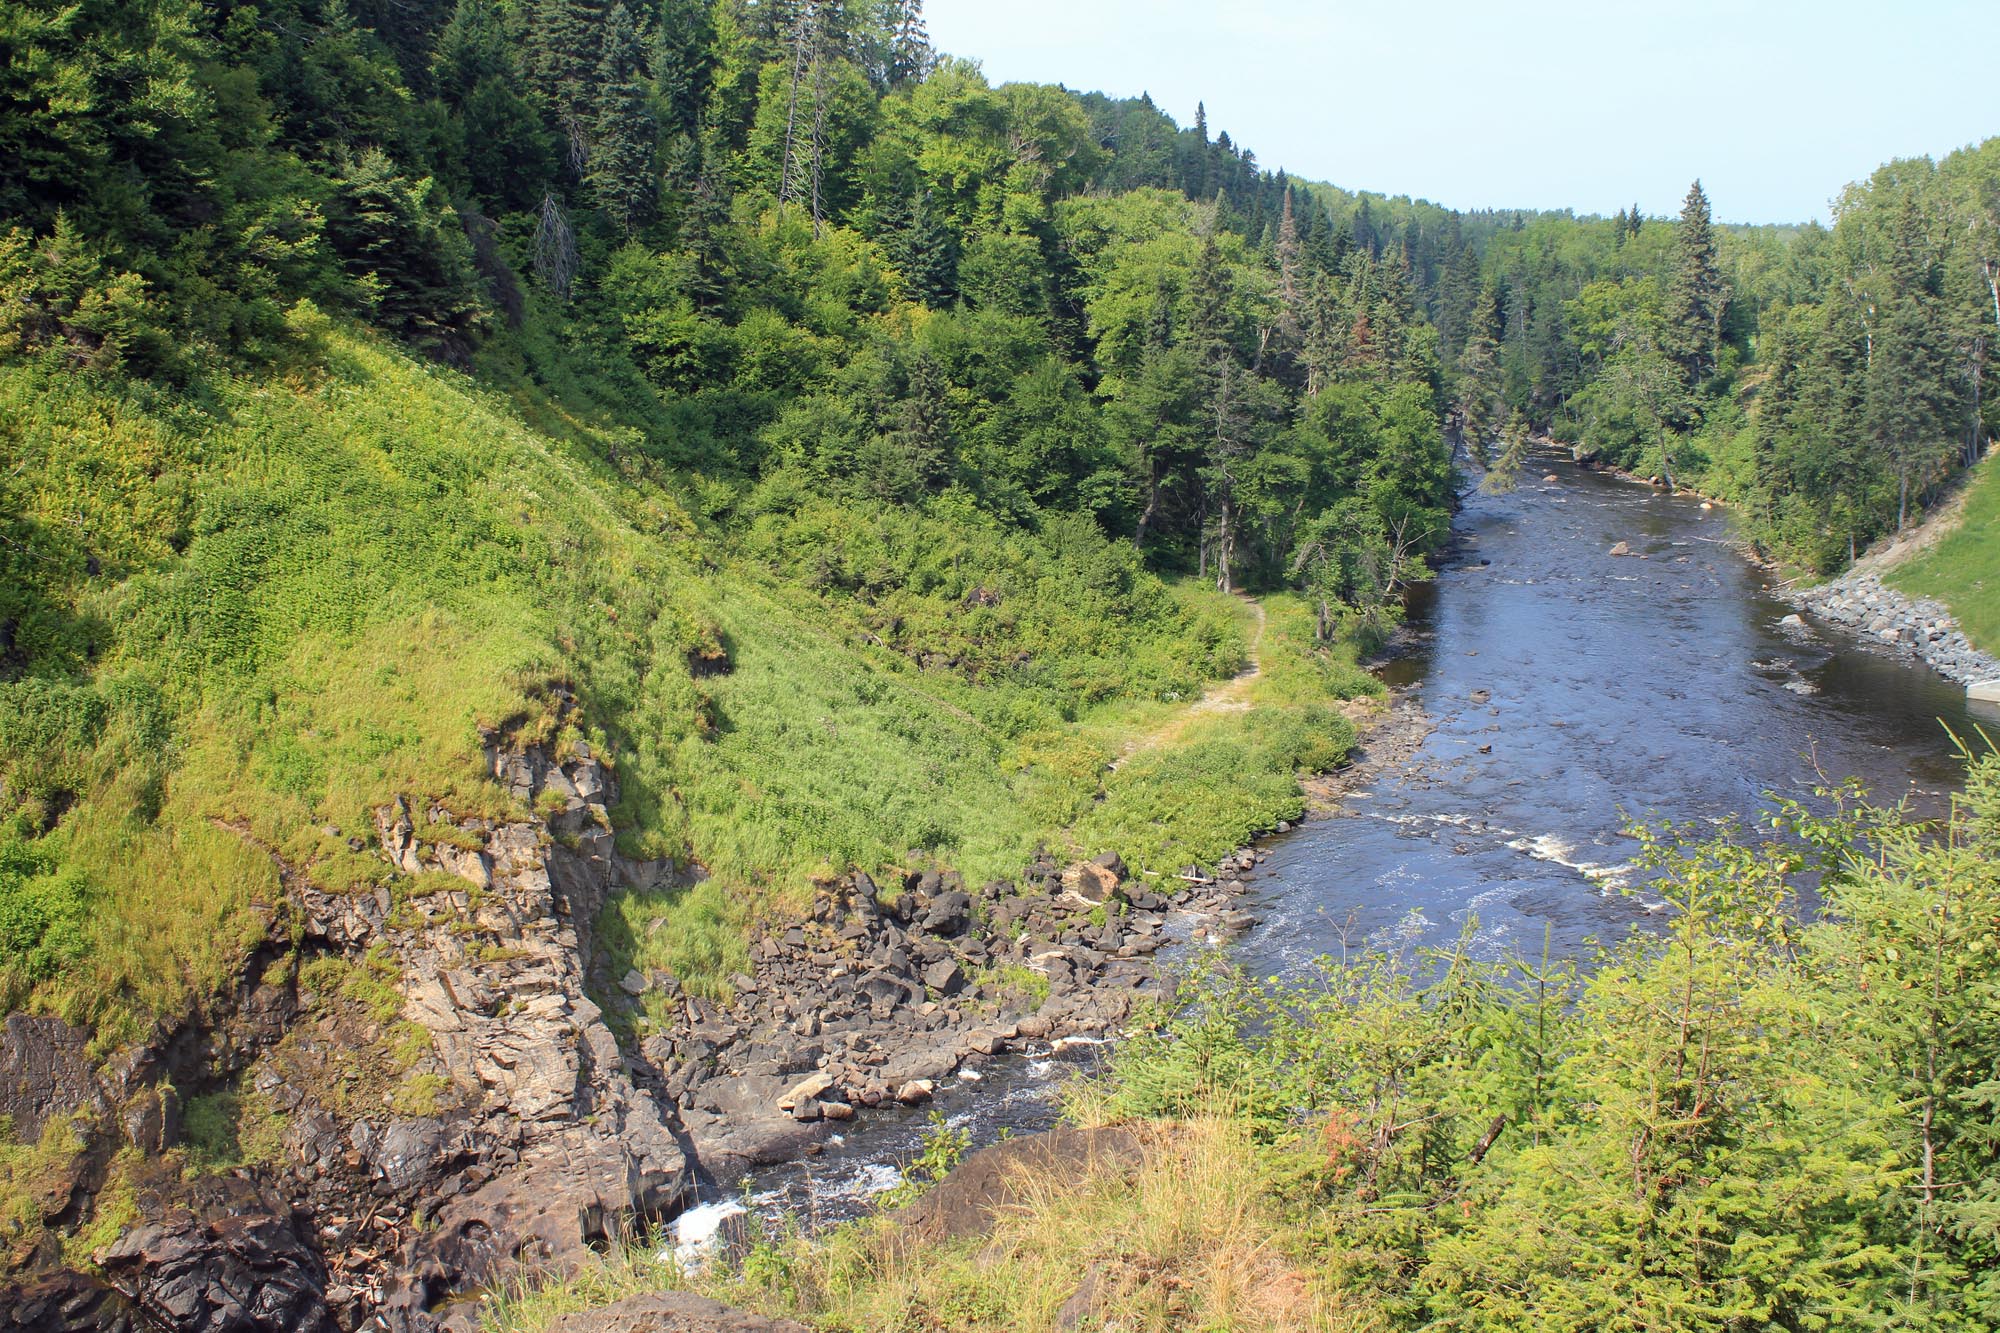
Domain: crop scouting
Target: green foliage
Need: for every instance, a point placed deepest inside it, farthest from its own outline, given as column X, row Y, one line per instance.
column 229, row 1128
column 35, row 1180
column 944, row 1148
column 1476, row 1145
column 1963, row 569
column 862, row 385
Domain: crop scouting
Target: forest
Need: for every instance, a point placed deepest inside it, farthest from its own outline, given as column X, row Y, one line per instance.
column 871, row 465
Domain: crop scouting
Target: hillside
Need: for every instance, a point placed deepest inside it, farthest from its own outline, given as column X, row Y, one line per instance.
column 591, row 590
column 1956, row 559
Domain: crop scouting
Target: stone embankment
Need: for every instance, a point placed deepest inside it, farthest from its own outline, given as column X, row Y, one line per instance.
column 1911, row 627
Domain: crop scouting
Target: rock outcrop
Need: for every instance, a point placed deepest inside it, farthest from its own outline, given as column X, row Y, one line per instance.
column 244, row 1264
column 440, row 1102
column 964, row 1203
column 1911, row 627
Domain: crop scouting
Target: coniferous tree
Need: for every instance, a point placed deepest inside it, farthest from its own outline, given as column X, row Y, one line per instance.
column 1696, row 296
column 566, row 49
column 682, row 64
column 502, row 146
column 926, row 444
column 1290, row 255
column 910, row 53
column 622, row 168
column 1907, row 374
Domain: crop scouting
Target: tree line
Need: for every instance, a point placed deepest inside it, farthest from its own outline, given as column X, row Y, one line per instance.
column 1831, row 381
column 817, row 256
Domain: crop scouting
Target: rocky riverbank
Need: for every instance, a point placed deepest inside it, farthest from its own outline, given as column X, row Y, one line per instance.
column 428, row 1089
column 1910, row 627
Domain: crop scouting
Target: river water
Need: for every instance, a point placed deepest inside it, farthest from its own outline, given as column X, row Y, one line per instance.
column 1570, row 692
column 1658, row 686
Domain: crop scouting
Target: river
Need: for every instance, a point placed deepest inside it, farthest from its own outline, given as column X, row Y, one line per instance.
column 1570, row 692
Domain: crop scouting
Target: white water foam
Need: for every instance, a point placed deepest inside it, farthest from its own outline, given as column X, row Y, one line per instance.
column 1560, row 851
column 695, row 1231
column 1064, row 1043
column 876, row 1178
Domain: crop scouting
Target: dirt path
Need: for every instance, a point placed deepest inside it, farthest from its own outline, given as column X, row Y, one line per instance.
column 1229, row 696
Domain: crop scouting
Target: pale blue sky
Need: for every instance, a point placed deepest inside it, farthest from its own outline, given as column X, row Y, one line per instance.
column 1585, row 104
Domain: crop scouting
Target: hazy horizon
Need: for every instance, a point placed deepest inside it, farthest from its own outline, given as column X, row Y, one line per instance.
column 1522, row 109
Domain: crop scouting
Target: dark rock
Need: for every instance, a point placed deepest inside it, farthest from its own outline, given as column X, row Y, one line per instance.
column 248, row 1268
column 66, row 1303
column 949, row 914
column 944, row 978
column 45, row 1070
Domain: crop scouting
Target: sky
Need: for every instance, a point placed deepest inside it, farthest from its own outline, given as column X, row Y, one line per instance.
column 1585, row 104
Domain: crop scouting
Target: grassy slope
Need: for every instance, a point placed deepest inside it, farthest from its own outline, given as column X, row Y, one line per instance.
column 273, row 602
column 1962, row 569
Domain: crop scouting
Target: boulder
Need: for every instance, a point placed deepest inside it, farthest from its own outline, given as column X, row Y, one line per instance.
column 807, row 1089
column 1621, row 549
column 949, row 914
column 944, row 978
column 1092, row 882
column 917, row 1090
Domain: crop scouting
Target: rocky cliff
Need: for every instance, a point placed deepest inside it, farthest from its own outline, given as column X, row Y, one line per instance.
column 431, row 1098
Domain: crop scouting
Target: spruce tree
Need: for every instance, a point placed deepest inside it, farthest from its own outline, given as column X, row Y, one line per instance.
column 1695, row 296
column 622, row 167
column 1905, row 384
column 925, row 249
column 683, row 60
column 1289, row 254
column 910, row 53
column 566, row 46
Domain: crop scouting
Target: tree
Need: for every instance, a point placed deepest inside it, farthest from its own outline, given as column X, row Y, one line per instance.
column 1696, row 296
column 1907, row 393
column 622, row 169
column 566, row 49
column 910, row 53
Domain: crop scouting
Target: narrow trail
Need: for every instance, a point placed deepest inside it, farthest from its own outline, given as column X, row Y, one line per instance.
column 1229, row 696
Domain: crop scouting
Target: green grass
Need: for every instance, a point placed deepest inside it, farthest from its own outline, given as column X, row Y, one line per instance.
column 35, row 1181
column 1230, row 775
column 1963, row 569
column 262, row 605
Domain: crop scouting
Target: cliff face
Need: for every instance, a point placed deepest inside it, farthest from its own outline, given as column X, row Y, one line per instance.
column 436, row 1096
column 542, row 1145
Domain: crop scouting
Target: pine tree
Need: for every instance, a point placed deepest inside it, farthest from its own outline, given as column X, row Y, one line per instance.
column 682, row 64
column 1695, row 296
column 1289, row 254
column 924, row 435
column 925, row 249
column 622, row 169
